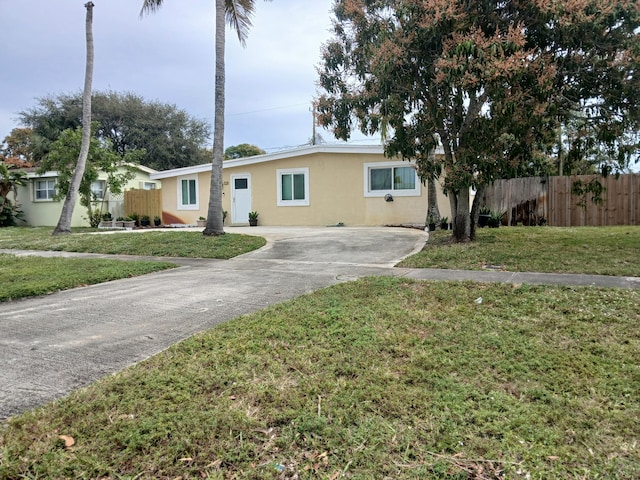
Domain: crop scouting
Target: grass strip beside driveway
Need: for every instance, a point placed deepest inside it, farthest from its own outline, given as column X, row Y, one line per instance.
column 32, row 276
column 589, row 250
column 378, row 378
column 164, row 243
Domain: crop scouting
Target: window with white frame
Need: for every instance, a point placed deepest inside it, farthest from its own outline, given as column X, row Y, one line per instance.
column 98, row 189
column 44, row 189
column 293, row 187
column 188, row 193
column 397, row 178
column 148, row 185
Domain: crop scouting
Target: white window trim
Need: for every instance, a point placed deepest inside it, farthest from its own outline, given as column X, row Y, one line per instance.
column 292, row 203
column 44, row 179
column 180, row 205
column 415, row 192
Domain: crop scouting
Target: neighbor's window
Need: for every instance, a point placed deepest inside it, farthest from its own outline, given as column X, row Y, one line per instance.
column 148, row 185
column 293, row 187
column 97, row 189
column 391, row 177
column 188, row 194
column 44, row 189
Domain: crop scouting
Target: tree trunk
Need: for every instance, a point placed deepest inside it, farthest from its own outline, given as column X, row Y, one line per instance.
column 433, row 212
column 64, row 224
column 214, row 212
column 475, row 211
column 461, row 218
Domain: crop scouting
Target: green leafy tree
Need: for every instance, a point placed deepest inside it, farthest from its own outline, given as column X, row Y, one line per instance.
column 100, row 158
column 18, row 144
column 236, row 13
column 488, row 80
column 64, row 223
column 242, row 150
column 170, row 137
column 10, row 179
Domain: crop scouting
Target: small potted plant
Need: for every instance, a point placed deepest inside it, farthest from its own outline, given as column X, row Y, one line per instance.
column 157, row 221
column 253, row 219
column 135, row 217
column 145, row 221
column 120, row 222
column 431, row 223
column 106, row 221
column 129, row 222
column 483, row 218
column 444, row 223
column 202, row 222
column 495, row 219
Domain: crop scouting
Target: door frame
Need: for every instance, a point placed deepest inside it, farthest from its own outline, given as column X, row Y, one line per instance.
column 232, row 179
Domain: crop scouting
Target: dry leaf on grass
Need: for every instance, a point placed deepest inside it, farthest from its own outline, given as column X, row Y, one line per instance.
column 68, row 440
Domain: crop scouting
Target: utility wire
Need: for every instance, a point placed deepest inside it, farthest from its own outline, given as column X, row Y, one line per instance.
column 267, row 109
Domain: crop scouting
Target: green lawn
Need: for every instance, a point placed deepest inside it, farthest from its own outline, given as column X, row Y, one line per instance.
column 594, row 250
column 29, row 276
column 379, row 378
column 166, row 243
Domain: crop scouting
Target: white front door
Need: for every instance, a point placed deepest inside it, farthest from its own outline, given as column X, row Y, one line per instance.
column 240, row 198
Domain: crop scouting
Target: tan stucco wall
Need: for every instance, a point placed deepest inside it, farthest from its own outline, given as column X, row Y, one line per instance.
column 47, row 213
column 336, row 194
column 171, row 211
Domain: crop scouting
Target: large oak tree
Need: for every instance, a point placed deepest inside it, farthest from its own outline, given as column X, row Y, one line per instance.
column 490, row 81
column 169, row 136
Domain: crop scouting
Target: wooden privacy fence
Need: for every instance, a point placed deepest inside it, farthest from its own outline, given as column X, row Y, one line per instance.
column 143, row 202
column 538, row 200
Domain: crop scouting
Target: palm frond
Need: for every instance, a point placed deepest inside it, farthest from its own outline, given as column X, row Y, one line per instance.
column 150, row 6
column 238, row 16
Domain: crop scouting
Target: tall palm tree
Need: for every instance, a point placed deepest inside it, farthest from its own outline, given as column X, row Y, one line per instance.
column 236, row 13
column 64, row 223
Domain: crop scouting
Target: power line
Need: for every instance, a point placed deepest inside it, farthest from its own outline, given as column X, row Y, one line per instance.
column 267, row 109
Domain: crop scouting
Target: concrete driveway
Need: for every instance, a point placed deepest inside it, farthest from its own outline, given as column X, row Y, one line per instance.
column 52, row 345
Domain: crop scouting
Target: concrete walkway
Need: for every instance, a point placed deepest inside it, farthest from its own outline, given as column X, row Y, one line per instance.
column 54, row 344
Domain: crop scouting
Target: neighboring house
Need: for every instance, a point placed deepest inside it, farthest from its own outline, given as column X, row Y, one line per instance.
column 313, row 185
column 36, row 199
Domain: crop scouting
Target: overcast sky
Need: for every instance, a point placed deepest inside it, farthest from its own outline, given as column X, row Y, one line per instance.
column 169, row 56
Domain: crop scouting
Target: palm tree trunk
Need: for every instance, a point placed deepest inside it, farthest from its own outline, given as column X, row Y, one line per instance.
column 214, row 213
column 64, row 224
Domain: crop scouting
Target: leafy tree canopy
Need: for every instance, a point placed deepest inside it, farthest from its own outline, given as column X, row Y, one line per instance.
column 491, row 81
column 242, row 150
column 170, row 137
column 17, row 144
column 63, row 156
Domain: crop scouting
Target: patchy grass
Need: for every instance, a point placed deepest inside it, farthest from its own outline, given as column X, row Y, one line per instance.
column 169, row 243
column 31, row 276
column 379, row 378
column 593, row 250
